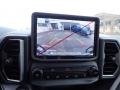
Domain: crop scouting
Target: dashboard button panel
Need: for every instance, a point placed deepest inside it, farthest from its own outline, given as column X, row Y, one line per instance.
column 60, row 73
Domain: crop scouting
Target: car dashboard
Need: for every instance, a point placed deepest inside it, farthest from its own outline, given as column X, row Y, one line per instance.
column 19, row 71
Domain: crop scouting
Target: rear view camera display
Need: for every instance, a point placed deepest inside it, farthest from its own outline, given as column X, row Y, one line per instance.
column 63, row 37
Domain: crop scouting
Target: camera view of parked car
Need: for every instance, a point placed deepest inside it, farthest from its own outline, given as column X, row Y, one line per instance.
column 64, row 37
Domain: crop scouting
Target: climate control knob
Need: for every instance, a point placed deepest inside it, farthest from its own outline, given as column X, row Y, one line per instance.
column 37, row 74
column 92, row 71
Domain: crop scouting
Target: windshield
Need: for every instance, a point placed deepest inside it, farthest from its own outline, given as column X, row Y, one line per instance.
column 17, row 14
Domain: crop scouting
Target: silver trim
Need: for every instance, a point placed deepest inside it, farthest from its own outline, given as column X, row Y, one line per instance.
column 21, row 61
column 112, row 75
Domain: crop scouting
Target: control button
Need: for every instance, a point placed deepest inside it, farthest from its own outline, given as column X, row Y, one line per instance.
column 37, row 74
column 57, row 77
column 52, row 70
column 84, row 75
column 47, row 77
column 76, row 76
column 66, row 76
column 92, row 71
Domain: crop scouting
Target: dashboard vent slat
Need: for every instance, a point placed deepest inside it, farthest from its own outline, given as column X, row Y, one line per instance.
column 110, row 66
column 11, row 64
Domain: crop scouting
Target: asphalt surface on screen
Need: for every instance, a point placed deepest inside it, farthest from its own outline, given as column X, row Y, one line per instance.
column 64, row 41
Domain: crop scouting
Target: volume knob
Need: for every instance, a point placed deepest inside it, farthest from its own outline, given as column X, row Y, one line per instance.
column 92, row 71
column 37, row 74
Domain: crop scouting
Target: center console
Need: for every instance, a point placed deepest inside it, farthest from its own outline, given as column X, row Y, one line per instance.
column 64, row 49
column 62, row 74
column 69, row 72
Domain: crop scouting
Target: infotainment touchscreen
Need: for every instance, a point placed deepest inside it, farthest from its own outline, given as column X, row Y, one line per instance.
column 64, row 35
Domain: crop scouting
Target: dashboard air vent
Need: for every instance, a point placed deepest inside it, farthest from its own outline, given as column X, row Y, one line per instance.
column 12, row 60
column 111, row 50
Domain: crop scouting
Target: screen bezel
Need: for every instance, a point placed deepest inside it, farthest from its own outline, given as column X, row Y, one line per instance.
column 66, row 17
